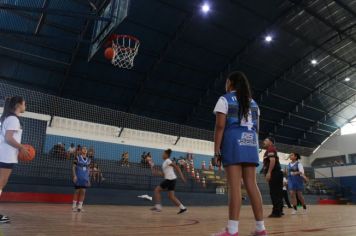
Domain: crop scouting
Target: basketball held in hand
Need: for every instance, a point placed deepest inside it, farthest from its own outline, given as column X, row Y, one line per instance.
column 31, row 153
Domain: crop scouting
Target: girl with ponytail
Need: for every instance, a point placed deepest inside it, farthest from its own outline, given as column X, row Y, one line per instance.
column 10, row 140
column 236, row 148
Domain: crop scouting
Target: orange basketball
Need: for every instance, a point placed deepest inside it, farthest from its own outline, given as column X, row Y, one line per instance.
column 109, row 53
column 31, row 152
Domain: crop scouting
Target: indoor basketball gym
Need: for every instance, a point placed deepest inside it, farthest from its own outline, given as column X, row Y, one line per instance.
column 110, row 85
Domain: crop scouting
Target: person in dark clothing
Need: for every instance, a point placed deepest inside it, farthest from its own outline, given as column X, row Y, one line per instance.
column 274, row 176
column 285, row 192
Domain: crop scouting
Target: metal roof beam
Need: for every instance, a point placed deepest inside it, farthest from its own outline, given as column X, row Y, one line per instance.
column 52, row 11
column 346, row 7
column 302, row 5
column 42, row 17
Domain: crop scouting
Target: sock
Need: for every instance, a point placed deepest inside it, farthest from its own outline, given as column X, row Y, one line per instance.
column 233, row 226
column 158, row 206
column 295, row 207
column 304, row 207
column 74, row 204
column 80, row 205
column 260, row 225
column 181, row 206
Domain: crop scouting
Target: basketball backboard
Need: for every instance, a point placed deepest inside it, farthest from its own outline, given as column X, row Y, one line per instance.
column 110, row 17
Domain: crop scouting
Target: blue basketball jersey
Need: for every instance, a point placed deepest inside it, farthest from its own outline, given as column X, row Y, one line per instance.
column 293, row 168
column 233, row 120
column 82, row 169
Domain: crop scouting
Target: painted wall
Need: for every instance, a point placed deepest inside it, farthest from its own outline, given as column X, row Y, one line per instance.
column 336, row 145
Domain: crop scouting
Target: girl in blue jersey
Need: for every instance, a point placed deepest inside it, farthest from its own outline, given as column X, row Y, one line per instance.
column 236, row 147
column 81, row 179
column 296, row 181
column 10, row 140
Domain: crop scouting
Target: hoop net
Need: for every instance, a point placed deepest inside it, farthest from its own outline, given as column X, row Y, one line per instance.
column 125, row 49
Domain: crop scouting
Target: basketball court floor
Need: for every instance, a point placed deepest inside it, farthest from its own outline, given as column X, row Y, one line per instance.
column 58, row 220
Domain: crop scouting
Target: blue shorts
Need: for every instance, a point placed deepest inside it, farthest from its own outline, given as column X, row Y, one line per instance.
column 239, row 146
column 295, row 183
column 82, row 183
column 4, row 165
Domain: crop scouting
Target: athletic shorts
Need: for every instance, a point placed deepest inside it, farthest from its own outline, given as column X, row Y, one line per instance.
column 7, row 165
column 80, row 187
column 169, row 185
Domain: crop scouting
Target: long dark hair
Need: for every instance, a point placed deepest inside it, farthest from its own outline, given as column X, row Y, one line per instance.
column 10, row 107
column 297, row 155
column 168, row 152
column 240, row 83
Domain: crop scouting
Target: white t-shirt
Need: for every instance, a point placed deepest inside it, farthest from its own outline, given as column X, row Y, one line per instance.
column 285, row 183
column 168, row 170
column 8, row 154
column 71, row 149
column 300, row 166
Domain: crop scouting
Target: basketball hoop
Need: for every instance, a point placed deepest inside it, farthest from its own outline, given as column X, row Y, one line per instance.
column 125, row 49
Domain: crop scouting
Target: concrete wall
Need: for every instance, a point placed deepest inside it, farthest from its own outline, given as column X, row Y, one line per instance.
column 336, row 145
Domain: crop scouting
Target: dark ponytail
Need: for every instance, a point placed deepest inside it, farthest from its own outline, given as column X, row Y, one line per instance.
column 240, row 83
column 10, row 107
column 168, row 152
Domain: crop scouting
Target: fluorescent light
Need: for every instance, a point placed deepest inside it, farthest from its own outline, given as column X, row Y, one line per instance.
column 268, row 38
column 205, row 8
column 347, row 79
column 314, row 62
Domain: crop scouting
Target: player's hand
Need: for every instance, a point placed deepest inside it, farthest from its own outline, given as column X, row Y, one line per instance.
column 268, row 177
column 24, row 151
column 217, row 159
column 75, row 179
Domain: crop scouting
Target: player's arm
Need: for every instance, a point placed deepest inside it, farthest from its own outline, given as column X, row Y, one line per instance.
column 178, row 170
column 74, row 175
column 157, row 172
column 300, row 170
column 218, row 135
column 9, row 137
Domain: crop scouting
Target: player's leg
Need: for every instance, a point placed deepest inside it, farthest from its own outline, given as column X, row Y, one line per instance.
column 293, row 199
column 174, row 199
column 75, row 199
column 4, row 177
column 302, row 200
column 157, row 198
column 250, row 183
column 81, row 198
column 233, row 174
column 286, row 198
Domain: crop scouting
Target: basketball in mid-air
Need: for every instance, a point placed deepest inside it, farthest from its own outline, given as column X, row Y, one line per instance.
column 109, row 53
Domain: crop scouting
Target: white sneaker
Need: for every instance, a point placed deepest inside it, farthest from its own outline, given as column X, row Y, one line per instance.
column 80, row 210
column 74, row 209
column 294, row 212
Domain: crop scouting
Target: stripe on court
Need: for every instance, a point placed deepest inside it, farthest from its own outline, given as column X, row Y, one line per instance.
column 36, row 197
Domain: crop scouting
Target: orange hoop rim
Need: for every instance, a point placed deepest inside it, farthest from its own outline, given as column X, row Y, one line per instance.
column 120, row 36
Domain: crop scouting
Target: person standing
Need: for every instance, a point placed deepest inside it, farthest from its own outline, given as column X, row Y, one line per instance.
column 81, row 179
column 236, row 148
column 10, row 140
column 274, row 176
column 296, row 181
column 285, row 192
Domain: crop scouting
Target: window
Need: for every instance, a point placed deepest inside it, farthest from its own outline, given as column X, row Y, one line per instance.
column 349, row 128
